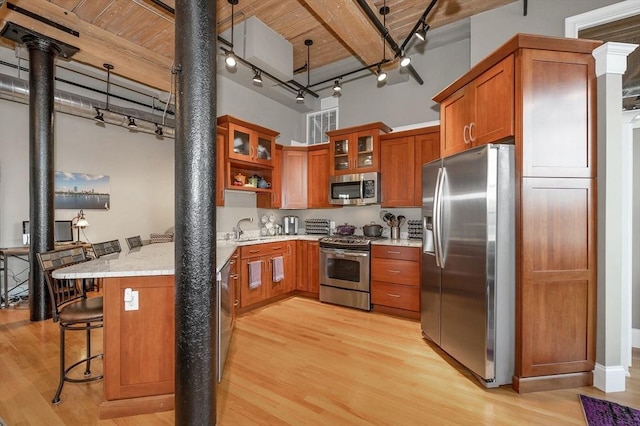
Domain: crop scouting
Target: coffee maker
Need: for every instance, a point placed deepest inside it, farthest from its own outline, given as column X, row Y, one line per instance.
column 290, row 225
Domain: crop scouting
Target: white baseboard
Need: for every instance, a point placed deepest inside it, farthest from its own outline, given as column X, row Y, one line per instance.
column 635, row 337
column 609, row 378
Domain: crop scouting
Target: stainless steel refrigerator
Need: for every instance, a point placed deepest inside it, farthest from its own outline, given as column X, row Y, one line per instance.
column 468, row 259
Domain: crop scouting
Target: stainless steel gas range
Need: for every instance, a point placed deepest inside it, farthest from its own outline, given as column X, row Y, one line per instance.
column 345, row 265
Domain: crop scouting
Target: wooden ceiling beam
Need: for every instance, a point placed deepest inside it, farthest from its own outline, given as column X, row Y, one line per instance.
column 352, row 27
column 96, row 45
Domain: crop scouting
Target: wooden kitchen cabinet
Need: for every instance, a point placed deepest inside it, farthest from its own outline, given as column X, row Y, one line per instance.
column 264, row 254
column 234, row 282
column 318, row 177
column 481, row 111
column 294, row 178
column 249, row 143
column 221, row 135
column 395, row 280
column 308, row 258
column 402, row 155
column 554, row 130
column 356, row 149
column 273, row 199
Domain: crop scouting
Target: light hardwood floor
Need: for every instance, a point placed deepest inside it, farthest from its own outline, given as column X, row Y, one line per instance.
column 298, row 362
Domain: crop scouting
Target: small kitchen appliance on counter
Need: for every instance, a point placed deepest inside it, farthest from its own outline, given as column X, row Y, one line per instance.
column 290, row 225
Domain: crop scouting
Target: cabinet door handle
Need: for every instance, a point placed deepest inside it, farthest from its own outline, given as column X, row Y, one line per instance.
column 236, row 303
column 471, row 127
column 232, row 262
column 393, row 295
column 393, row 271
column 465, row 129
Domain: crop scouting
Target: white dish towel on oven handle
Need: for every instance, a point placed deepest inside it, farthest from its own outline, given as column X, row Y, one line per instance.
column 278, row 269
column 255, row 272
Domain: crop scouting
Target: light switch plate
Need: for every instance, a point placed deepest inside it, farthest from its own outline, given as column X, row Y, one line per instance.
column 132, row 305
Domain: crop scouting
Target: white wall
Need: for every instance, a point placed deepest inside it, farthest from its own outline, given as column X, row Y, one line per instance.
column 401, row 104
column 491, row 29
column 140, row 168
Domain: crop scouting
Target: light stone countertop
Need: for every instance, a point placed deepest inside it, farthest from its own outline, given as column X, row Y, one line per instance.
column 158, row 259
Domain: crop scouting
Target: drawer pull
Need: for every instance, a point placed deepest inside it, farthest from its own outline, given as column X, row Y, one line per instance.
column 277, row 248
column 254, row 251
column 393, row 295
column 232, row 262
column 393, row 252
column 393, row 271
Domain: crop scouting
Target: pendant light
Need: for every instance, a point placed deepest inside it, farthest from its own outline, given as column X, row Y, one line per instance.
column 300, row 96
column 230, row 56
column 99, row 116
column 382, row 76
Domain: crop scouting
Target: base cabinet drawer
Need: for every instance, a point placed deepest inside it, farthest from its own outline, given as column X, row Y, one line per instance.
column 395, row 295
column 396, row 271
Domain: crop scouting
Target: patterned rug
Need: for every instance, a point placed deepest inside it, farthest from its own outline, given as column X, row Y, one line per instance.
column 598, row 412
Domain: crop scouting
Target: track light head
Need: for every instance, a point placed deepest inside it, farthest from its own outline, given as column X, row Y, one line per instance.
column 382, row 76
column 300, row 96
column 230, row 59
column 132, row 123
column 404, row 60
column 337, row 87
column 158, row 130
column 422, row 32
column 99, row 116
column 257, row 77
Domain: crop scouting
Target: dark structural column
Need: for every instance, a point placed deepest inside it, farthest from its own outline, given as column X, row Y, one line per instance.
column 42, row 53
column 195, row 212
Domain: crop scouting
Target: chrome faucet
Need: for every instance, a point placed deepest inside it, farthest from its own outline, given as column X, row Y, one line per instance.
column 237, row 231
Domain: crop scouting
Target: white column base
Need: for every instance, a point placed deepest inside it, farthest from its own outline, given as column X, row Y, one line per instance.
column 609, row 379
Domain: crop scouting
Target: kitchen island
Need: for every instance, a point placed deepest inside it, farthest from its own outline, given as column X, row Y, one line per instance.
column 138, row 343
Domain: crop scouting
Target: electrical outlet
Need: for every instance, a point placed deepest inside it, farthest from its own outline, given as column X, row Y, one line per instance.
column 133, row 303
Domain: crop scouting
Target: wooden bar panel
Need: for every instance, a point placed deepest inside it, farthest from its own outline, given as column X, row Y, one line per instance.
column 139, row 345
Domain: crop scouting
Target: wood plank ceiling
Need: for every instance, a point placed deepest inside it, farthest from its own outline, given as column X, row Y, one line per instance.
column 144, row 29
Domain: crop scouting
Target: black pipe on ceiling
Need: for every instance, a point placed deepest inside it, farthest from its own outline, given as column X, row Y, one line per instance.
column 383, row 31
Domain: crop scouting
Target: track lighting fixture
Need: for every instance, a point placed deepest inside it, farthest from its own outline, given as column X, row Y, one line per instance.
column 158, row 130
column 257, row 76
column 404, row 60
column 99, row 117
column 382, row 76
column 132, row 123
column 230, row 57
column 422, row 32
column 300, row 96
column 337, row 88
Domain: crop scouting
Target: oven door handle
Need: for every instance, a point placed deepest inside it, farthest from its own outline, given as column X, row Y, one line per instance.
column 344, row 253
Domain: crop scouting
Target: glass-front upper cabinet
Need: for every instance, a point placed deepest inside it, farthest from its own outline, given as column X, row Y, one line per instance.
column 249, row 143
column 356, row 149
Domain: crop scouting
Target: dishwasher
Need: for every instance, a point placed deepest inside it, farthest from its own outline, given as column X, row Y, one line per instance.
column 223, row 312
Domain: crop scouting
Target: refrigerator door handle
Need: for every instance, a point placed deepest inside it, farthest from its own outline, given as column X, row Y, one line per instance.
column 437, row 218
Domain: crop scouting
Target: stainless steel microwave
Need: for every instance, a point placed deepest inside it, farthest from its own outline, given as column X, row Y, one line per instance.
column 355, row 189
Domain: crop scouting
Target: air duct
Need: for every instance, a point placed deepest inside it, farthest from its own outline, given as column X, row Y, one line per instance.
column 17, row 90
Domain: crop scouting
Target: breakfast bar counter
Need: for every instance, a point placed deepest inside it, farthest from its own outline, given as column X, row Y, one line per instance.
column 138, row 341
